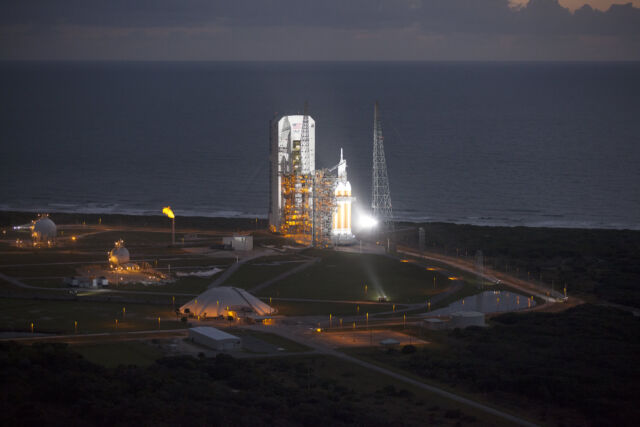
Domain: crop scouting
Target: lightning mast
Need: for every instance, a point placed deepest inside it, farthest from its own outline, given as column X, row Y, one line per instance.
column 381, row 197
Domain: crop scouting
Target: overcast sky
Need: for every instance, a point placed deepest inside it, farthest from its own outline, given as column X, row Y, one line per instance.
column 320, row 30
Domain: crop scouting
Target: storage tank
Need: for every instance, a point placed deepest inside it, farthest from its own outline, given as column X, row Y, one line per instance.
column 43, row 229
column 464, row 319
column 119, row 255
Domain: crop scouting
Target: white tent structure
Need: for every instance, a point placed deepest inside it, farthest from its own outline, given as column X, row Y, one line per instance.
column 226, row 301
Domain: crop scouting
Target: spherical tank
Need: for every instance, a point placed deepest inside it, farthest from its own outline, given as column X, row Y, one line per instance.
column 44, row 229
column 119, row 255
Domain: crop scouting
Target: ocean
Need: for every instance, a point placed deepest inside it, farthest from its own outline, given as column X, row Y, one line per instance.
column 533, row 144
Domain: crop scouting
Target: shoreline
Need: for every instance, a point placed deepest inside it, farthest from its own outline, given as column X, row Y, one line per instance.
column 13, row 217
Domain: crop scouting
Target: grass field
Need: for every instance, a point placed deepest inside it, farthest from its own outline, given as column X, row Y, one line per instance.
column 343, row 276
column 92, row 317
column 261, row 269
column 186, row 285
column 306, row 308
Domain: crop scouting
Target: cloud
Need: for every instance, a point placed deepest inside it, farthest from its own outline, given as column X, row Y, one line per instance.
column 367, row 25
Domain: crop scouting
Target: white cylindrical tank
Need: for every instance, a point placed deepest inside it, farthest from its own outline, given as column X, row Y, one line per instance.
column 44, row 229
column 119, row 255
column 464, row 319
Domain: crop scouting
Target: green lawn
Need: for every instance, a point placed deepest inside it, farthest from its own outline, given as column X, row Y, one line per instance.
column 343, row 276
column 92, row 317
column 260, row 270
column 295, row 308
column 185, row 285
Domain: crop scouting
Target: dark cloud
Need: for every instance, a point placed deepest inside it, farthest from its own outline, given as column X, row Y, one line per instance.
column 385, row 29
column 440, row 16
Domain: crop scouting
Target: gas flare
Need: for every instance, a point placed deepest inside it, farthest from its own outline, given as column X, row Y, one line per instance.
column 168, row 212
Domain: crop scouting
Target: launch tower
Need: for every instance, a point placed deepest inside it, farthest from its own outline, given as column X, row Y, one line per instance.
column 381, row 196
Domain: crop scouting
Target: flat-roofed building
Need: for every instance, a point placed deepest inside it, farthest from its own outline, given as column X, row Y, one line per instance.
column 214, row 338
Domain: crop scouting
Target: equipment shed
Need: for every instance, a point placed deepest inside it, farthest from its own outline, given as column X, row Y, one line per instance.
column 214, row 338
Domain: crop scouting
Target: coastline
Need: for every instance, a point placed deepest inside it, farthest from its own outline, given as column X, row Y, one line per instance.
column 238, row 219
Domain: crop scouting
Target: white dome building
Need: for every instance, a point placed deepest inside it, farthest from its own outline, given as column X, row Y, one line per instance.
column 119, row 255
column 226, row 301
column 43, row 230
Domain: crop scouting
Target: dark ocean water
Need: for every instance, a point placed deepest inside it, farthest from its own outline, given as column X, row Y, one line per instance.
column 541, row 144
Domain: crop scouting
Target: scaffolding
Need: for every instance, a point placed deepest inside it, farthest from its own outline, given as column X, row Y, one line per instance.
column 296, row 220
column 324, row 207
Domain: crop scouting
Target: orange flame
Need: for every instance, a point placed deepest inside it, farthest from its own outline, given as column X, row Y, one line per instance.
column 168, row 212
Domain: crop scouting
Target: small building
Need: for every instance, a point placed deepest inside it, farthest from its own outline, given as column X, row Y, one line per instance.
column 239, row 243
column 464, row 319
column 214, row 338
column 99, row 281
column 435, row 324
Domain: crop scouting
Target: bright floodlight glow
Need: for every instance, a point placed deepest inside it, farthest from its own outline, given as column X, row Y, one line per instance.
column 367, row 221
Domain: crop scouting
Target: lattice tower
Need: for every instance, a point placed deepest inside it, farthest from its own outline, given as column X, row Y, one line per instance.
column 324, row 207
column 381, row 196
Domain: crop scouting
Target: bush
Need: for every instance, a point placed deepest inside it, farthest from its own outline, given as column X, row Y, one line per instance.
column 409, row 349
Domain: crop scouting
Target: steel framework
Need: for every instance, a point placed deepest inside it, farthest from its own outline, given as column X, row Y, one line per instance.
column 297, row 189
column 381, row 196
column 324, row 207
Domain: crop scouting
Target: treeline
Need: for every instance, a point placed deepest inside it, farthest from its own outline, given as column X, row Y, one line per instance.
column 10, row 218
column 582, row 361
column 48, row 384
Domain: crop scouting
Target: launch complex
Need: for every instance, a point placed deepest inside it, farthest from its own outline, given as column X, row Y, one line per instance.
column 311, row 206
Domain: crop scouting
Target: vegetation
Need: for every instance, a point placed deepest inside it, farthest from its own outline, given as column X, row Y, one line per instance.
column 47, row 383
column 8, row 218
column 595, row 263
column 59, row 316
column 574, row 368
column 343, row 276
column 113, row 354
column 260, row 270
column 276, row 340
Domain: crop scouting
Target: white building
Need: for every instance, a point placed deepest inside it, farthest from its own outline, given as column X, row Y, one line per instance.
column 239, row 243
column 287, row 156
column 214, row 338
column 226, row 301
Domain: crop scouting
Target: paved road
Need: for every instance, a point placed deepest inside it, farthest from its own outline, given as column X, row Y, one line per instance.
column 287, row 273
column 490, row 275
column 229, row 271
